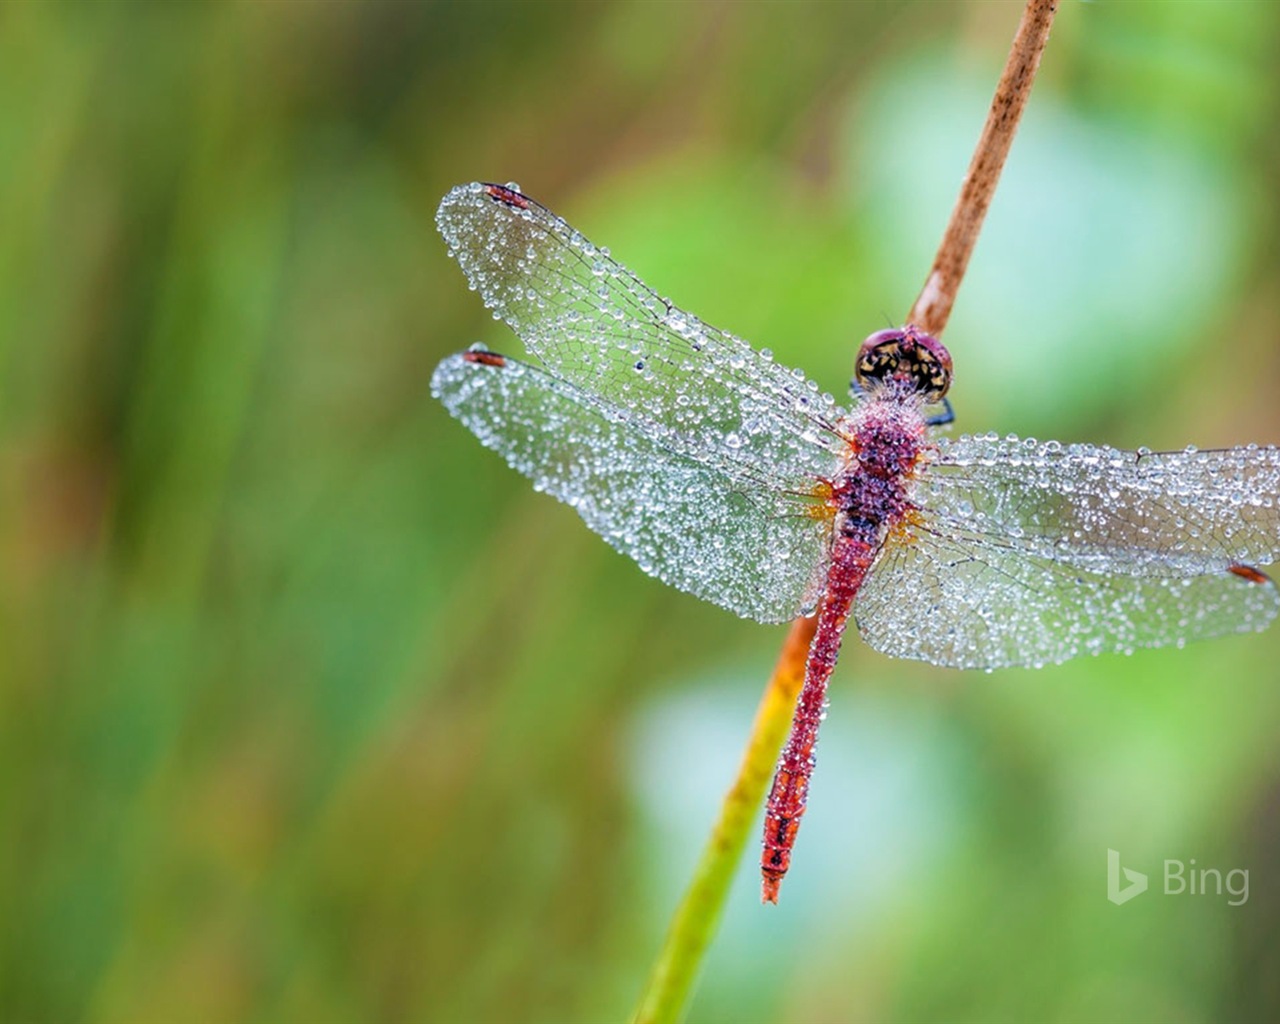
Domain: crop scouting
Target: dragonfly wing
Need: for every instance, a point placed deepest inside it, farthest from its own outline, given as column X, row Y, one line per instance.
column 1022, row 553
column 967, row 602
column 1130, row 512
column 756, row 552
column 596, row 325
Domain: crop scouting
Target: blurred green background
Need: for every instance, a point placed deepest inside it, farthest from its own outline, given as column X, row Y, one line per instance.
column 311, row 710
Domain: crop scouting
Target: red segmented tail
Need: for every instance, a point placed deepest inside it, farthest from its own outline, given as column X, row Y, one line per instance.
column 851, row 557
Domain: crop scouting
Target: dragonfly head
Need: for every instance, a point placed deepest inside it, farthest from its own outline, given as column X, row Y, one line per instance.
column 907, row 358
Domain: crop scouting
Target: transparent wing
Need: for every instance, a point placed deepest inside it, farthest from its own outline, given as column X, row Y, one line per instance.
column 1132, row 512
column 596, row 325
column 754, row 551
column 1023, row 553
column 966, row 602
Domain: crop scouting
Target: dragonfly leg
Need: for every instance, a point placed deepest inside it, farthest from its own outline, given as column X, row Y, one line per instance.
column 941, row 419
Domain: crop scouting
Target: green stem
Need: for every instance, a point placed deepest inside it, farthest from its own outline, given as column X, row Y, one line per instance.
column 671, row 982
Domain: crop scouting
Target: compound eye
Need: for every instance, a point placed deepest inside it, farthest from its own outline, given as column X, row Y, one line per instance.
column 906, row 359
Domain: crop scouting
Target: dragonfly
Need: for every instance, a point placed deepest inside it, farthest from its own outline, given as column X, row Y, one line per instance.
column 731, row 477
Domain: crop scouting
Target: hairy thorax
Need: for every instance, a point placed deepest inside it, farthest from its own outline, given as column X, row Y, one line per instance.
column 872, row 492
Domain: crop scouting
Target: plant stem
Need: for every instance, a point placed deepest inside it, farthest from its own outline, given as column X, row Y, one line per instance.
column 676, row 970
column 672, row 979
column 932, row 308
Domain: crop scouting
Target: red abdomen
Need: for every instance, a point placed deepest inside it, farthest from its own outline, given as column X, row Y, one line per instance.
column 851, row 557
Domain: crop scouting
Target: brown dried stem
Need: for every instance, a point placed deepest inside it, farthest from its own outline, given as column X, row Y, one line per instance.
column 675, row 972
column 932, row 308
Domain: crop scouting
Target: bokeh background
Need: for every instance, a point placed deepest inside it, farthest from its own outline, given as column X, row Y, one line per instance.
column 311, row 710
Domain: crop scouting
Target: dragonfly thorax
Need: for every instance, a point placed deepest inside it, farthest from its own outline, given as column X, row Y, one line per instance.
column 887, row 435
